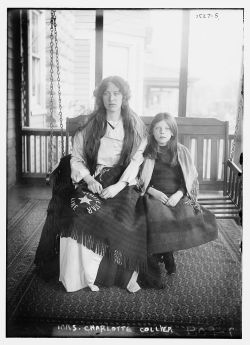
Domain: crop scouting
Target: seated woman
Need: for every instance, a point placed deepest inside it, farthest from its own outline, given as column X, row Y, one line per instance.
column 101, row 218
column 169, row 185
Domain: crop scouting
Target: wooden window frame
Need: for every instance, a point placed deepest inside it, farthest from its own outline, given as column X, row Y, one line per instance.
column 37, row 108
column 183, row 72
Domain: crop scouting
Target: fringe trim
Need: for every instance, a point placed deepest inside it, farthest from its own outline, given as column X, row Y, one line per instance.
column 101, row 248
column 53, row 229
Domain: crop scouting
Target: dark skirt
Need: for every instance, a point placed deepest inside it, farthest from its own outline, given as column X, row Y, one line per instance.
column 181, row 227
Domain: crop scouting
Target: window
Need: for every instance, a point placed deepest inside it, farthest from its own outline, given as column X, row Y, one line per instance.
column 215, row 56
column 76, row 48
column 80, row 96
column 162, row 62
column 123, row 45
column 144, row 47
column 37, row 63
column 161, row 99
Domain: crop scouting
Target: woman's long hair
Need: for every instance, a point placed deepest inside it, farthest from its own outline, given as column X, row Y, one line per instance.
column 153, row 147
column 97, row 124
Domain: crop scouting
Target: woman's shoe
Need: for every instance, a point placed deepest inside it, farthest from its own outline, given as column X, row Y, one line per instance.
column 93, row 287
column 133, row 288
column 168, row 259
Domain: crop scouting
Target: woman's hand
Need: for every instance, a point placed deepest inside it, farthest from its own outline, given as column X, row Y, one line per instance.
column 93, row 185
column 158, row 195
column 113, row 190
column 174, row 198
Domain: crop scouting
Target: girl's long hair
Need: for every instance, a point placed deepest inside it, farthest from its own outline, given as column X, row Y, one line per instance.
column 97, row 124
column 153, row 147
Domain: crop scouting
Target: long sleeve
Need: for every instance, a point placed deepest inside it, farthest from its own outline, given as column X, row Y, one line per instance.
column 77, row 163
column 132, row 169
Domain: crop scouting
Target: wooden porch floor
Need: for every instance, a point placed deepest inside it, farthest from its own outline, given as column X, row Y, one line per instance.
column 18, row 195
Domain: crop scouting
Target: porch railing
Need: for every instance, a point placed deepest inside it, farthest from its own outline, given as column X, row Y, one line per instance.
column 234, row 183
column 36, row 148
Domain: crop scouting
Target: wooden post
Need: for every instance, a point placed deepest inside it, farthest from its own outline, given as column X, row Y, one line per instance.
column 15, row 16
column 98, row 46
column 183, row 79
column 226, row 155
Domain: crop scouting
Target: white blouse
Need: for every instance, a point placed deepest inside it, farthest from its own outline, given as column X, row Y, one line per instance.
column 108, row 155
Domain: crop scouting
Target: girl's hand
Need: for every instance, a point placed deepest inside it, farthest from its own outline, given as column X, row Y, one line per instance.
column 174, row 198
column 158, row 195
column 93, row 185
column 113, row 190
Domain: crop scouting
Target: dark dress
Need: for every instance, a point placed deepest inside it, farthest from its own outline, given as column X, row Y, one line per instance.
column 174, row 228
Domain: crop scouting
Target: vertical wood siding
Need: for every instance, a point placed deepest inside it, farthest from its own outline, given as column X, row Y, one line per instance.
column 11, row 106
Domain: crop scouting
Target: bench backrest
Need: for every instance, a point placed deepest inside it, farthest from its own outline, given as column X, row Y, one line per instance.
column 206, row 138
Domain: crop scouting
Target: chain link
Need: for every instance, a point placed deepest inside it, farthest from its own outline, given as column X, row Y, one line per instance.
column 58, row 84
column 23, row 93
column 53, row 38
column 237, row 125
column 51, row 90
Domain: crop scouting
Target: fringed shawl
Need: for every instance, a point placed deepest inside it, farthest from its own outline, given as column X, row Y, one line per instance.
column 115, row 226
column 47, row 254
column 118, row 229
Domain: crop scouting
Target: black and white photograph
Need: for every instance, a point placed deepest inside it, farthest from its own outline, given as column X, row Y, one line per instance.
column 124, row 169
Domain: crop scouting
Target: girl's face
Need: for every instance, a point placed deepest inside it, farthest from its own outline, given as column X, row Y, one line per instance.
column 162, row 133
column 112, row 98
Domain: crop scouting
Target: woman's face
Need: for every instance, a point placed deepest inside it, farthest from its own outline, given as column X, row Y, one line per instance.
column 162, row 133
column 112, row 98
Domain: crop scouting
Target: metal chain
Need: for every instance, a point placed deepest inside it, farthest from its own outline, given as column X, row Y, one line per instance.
column 58, row 84
column 234, row 141
column 237, row 125
column 51, row 91
column 23, row 93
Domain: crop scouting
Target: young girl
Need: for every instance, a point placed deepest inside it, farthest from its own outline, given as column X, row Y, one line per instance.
column 169, row 185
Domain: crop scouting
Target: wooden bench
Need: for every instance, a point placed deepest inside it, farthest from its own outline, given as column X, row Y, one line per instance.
column 207, row 140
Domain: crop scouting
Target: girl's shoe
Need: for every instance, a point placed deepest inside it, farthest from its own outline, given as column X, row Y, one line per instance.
column 151, row 278
column 168, row 259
